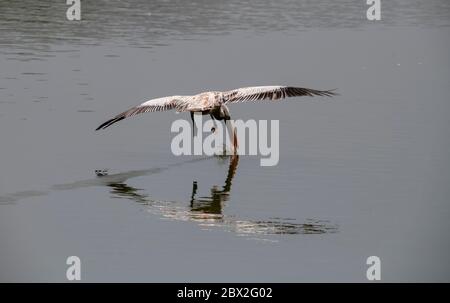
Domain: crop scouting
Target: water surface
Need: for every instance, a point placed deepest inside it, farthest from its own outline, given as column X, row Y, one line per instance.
column 365, row 173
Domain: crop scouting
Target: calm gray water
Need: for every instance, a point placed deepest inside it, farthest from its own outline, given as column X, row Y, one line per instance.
column 365, row 173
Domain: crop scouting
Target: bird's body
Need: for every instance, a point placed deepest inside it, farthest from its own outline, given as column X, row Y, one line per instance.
column 215, row 103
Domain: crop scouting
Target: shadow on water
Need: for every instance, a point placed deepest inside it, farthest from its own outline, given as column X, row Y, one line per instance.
column 97, row 182
column 207, row 211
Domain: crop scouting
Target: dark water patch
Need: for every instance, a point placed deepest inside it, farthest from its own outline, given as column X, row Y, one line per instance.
column 33, row 74
column 14, row 197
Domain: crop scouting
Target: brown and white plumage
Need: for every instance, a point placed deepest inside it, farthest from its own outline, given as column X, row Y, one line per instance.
column 256, row 93
column 153, row 105
column 214, row 102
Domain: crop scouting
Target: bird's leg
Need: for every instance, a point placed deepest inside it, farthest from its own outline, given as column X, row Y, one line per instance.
column 193, row 124
column 213, row 129
column 235, row 141
column 233, row 136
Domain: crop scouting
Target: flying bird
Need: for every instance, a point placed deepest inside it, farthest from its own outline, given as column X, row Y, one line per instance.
column 215, row 103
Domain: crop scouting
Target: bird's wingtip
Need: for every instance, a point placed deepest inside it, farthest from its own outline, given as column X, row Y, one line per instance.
column 332, row 92
column 102, row 126
column 110, row 122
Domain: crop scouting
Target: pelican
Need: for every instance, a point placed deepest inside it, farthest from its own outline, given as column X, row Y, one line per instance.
column 215, row 103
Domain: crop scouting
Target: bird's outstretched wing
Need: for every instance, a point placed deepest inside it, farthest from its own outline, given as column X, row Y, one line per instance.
column 159, row 104
column 271, row 92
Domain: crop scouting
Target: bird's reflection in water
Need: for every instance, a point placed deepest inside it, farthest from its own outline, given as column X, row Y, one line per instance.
column 124, row 191
column 207, row 211
column 210, row 207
